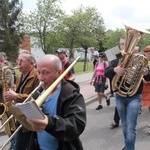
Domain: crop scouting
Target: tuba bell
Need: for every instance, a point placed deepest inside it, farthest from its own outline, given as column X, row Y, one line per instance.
column 128, row 84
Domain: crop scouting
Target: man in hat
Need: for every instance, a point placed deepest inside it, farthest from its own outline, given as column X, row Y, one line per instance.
column 62, row 54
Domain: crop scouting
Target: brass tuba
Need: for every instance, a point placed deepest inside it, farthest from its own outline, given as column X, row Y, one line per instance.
column 5, row 111
column 128, row 84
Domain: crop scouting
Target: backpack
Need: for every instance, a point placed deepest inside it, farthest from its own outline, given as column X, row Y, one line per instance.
column 104, row 63
column 64, row 67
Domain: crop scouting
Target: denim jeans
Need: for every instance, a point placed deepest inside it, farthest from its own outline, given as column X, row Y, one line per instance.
column 12, row 141
column 128, row 109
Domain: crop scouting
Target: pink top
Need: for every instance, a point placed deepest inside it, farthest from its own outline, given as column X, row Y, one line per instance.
column 100, row 69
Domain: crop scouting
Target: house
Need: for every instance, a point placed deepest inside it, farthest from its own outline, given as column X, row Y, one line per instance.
column 31, row 44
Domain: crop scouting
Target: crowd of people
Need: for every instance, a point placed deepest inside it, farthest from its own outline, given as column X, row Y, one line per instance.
column 64, row 109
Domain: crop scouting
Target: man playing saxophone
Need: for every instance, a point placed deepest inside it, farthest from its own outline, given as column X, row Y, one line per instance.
column 6, row 83
column 8, row 77
column 26, row 82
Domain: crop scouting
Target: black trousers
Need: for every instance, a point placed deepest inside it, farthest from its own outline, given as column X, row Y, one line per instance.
column 116, row 116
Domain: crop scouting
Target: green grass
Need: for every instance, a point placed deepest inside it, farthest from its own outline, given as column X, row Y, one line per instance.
column 17, row 71
column 79, row 67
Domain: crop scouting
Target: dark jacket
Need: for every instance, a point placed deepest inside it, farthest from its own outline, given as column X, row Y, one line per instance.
column 109, row 73
column 70, row 120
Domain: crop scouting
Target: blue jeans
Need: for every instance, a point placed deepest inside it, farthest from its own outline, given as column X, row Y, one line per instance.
column 128, row 109
column 12, row 141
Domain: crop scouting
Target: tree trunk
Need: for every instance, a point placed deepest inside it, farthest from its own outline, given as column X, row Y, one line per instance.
column 85, row 60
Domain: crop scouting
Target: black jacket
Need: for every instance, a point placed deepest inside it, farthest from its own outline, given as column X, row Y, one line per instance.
column 109, row 73
column 70, row 120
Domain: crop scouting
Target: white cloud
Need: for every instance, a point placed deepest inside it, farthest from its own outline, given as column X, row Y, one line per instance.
column 114, row 12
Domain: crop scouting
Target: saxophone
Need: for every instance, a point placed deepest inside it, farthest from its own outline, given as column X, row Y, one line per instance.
column 5, row 108
column 128, row 84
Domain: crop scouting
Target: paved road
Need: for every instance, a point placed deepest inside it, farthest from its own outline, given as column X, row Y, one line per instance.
column 99, row 136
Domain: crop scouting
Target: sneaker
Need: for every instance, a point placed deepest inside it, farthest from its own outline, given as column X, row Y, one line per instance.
column 99, row 107
column 114, row 125
column 108, row 102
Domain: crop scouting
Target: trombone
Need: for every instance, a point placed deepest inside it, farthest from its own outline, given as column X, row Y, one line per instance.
column 39, row 101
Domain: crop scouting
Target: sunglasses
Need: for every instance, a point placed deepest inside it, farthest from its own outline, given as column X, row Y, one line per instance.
column 101, row 56
column 147, row 51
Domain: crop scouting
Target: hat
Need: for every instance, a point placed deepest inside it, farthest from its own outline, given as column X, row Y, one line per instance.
column 147, row 48
column 61, row 50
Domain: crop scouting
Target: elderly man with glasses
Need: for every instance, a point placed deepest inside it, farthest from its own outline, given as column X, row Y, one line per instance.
column 26, row 82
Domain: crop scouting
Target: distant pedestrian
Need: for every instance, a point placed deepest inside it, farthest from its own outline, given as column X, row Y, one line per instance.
column 116, row 118
column 94, row 57
column 99, row 80
column 62, row 54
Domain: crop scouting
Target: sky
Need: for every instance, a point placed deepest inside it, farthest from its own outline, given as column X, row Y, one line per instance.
column 116, row 13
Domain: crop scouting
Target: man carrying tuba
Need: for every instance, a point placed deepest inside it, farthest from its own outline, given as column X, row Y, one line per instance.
column 127, row 103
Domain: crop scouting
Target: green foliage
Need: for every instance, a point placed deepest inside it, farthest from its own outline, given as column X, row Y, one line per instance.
column 10, row 37
column 112, row 38
column 42, row 22
column 144, row 41
column 84, row 28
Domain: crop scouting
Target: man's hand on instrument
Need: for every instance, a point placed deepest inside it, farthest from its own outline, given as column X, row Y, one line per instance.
column 10, row 95
column 145, row 71
column 119, row 70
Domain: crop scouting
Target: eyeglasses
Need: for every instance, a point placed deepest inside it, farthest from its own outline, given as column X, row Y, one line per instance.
column 21, row 61
column 147, row 51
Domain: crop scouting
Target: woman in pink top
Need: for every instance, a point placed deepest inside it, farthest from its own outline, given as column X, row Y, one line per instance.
column 100, row 81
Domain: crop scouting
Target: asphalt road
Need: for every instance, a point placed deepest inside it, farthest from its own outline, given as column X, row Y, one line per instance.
column 99, row 136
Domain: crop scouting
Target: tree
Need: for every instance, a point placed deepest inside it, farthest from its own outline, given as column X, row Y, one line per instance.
column 10, row 38
column 112, row 37
column 42, row 22
column 90, row 30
